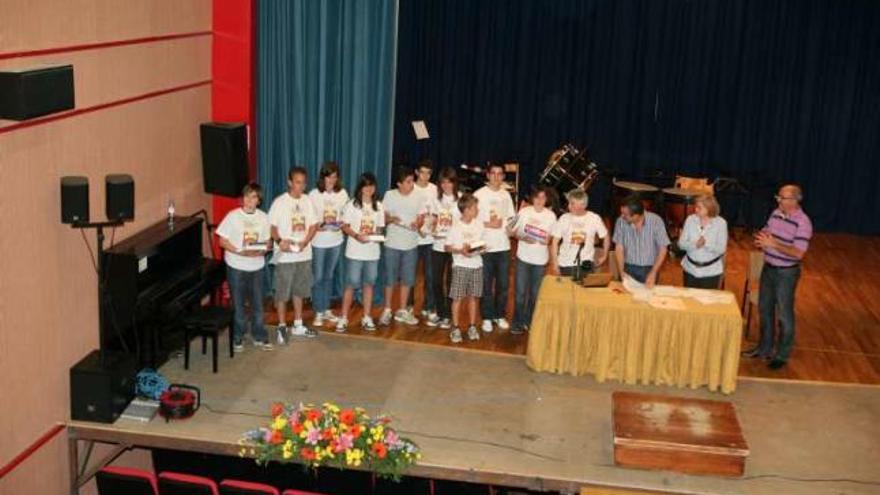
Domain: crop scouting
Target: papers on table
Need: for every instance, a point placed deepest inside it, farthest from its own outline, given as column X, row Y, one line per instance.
column 663, row 302
column 670, row 297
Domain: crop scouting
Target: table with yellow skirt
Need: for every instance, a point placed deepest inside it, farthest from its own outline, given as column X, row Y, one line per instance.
column 605, row 333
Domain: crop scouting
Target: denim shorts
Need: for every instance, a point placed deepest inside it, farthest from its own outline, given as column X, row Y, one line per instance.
column 359, row 272
column 400, row 266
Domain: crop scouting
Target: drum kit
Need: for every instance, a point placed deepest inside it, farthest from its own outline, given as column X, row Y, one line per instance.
column 569, row 168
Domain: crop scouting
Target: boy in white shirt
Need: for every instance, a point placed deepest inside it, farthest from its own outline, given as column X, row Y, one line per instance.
column 362, row 218
column 328, row 199
column 294, row 224
column 244, row 236
column 404, row 214
column 496, row 210
column 534, row 228
column 428, row 191
column 574, row 236
column 465, row 242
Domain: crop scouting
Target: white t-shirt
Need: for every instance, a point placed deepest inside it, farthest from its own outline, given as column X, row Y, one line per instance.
column 576, row 231
column 446, row 213
column 328, row 208
column 495, row 204
column 292, row 217
column 538, row 227
column 466, row 233
column 407, row 208
column 429, row 192
column 367, row 221
column 241, row 229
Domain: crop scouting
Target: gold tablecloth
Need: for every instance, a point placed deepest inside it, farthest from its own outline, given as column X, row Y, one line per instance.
column 596, row 331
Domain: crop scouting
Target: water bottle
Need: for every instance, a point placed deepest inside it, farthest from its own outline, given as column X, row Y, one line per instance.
column 170, row 214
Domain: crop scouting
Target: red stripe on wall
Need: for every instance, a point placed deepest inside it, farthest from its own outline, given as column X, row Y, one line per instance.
column 102, row 106
column 21, row 457
column 103, row 44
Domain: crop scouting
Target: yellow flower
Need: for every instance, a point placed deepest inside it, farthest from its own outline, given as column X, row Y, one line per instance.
column 308, row 425
column 353, row 457
column 331, row 407
column 377, row 432
column 279, row 423
column 286, row 454
column 288, row 444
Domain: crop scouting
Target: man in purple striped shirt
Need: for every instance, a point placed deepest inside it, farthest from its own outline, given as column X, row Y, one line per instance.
column 785, row 241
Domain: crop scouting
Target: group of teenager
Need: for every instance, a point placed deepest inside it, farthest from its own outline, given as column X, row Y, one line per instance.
column 462, row 240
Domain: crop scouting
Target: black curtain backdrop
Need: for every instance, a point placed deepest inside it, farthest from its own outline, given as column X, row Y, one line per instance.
column 765, row 91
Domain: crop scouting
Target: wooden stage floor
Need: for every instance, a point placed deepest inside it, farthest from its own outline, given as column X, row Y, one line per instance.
column 837, row 308
column 486, row 417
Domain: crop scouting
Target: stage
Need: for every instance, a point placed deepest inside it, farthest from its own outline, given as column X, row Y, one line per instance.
column 485, row 417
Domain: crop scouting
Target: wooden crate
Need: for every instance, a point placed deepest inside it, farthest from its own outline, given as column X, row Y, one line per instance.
column 692, row 436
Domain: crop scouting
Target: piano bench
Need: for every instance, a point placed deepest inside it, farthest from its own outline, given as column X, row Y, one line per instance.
column 207, row 322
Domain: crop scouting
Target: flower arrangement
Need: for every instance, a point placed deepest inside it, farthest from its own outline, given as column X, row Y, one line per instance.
column 330, row 436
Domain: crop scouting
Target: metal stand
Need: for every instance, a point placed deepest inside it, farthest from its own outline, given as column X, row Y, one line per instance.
column 80, row 473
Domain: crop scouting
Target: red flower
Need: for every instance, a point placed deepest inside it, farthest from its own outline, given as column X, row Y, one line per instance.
column 297, row 428
column 356, row 431
column 277, row 410
column 307, row 454
column 277, row 437
column 327, row 434
column 313, row 415
column 347, row 416
column 379, row 449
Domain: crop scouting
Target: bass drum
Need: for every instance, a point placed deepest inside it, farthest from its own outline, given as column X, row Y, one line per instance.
column 567, row 169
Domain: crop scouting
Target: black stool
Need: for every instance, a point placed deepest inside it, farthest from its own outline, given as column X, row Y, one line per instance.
column 207, row 321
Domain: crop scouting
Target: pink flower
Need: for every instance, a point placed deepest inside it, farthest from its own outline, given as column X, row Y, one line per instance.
column 312, row 436
column 346, row 441
column 267, row 436
column 391, row 438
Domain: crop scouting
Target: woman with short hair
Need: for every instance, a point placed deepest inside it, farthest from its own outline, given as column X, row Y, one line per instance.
column 704, row 240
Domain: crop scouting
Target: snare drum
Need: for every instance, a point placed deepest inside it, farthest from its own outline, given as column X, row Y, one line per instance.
column 645, row 192
column 678, row 204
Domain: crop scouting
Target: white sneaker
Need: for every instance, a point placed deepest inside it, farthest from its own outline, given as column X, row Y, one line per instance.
column 263, row 345
column 341, row 325
column 319, row 319
column 425, row 313
column 487, row 326
column 238, row 347
column 329, row 316
column 455, row 336
column 282, row 334
column 367, row 324
column 502, row 323
column 473, row 333
column 433, row 320
column 300, row 330
column 444, row 323
column 385, row 317
column 407, row 317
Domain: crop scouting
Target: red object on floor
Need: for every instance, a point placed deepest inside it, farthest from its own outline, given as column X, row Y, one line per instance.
column 238, row 487
column 118, row 480
column 171, row 483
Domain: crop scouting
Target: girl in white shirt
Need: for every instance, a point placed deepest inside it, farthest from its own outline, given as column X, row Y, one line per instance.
column 328, row 199
column 533, row 228
column 443, row 210
column 362, row 218
column 704, row 239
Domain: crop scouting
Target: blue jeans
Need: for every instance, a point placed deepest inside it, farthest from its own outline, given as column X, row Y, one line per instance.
column 639, row 273
column 400, row 266
column 247, row 287
column 426, row 253
column 495, row 285
column 359, row 273
column 324, row 261
column 528, row 283
column 776, row 295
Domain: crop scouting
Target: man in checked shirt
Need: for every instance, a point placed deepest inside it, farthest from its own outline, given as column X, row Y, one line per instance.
column 784, row 240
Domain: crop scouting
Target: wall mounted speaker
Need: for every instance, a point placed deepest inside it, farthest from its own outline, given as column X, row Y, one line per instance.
column 74, row 199
column 224, row 158
column 30, row 93
column 119, row 190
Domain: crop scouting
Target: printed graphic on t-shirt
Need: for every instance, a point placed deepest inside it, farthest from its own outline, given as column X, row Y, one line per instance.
column 534, row 232
column 578, row 234
column 298, row 222
column 368, row 225
column 331, row 216
column 444, row 220
column 493, row 210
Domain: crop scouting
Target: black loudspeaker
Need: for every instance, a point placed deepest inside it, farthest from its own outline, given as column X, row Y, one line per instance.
column 31, row 93
column 119, row 189
column 100, row 389
column 224, row 158
column 74, row 199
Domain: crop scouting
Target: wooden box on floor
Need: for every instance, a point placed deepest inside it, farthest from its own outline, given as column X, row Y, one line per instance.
column 691, row 436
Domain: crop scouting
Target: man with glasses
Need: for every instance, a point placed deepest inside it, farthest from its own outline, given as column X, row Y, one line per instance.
column 784, row 240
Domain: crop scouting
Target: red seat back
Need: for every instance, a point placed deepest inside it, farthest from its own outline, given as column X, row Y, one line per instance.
column 236, row 487
column 117, row 480
column 171, row 483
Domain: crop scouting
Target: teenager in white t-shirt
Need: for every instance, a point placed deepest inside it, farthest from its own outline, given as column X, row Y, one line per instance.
column 534, row 229
column 443, row 211
column 294, row 225
column 466, row 242
column 428, row 191
column 404, row 214
column 362, row 218
column 245, row 236
column 496, row 210
column 328, row 199
column 575, row 236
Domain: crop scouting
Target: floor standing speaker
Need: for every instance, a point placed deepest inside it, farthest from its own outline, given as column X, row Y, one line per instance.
column 224, row 158
column 119, row 189
column 26, row 94
column 101, row 386
column 74, row 199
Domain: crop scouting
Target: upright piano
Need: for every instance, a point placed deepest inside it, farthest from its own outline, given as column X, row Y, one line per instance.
column 151, row 279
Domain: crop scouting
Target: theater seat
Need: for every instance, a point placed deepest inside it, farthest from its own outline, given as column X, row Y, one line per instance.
column 299, row 492
column 171, row 483
column 115, row 480
column 236, row 487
